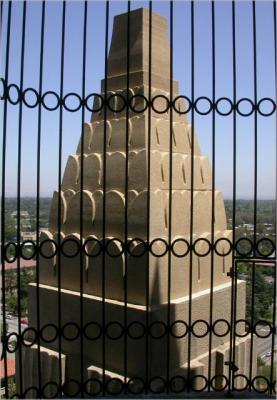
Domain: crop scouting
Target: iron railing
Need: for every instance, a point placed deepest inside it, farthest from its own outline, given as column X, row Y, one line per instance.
column 22, row 103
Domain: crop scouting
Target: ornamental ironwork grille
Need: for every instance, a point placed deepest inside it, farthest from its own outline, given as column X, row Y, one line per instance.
column 143, row 263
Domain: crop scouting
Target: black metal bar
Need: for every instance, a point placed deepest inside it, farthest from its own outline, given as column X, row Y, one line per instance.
column 170, row 194
column 59, row 193
column 148, row 196
column 126, row 197
column 19, row 156
column 252, row 320
column 213, row 193
column 104, row 198
column 191, row 194
column 38, row 185
column 3, row 202
column 233, row 294
column 81, row 200
column 255, row 185
column 272, row 377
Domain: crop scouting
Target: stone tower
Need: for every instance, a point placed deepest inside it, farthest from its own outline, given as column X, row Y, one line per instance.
column 135, row 269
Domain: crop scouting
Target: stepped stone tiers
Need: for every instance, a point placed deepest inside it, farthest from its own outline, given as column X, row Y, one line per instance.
column 132, row 266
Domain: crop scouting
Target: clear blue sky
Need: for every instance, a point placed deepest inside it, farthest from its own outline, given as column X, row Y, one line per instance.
column 182, row 72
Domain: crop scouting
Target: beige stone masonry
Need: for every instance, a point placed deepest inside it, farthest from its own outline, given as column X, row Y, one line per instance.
column 125, row 147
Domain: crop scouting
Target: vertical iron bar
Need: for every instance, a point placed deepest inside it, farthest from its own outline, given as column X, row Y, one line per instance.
column 148, row 194
column 170, row 194
column 191, row 192
column 59, row 193
column 38, row 185
column 233, row 294
column 3, row 200
column 213, row 196
column 126, row 196
column 104, row 200
column 271, row 379
column 275, row 266
column 22, row 56
column 255, row 185
column 81, row 199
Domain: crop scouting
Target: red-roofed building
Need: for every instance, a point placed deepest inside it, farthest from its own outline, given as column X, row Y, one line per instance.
column 10, row 368
column 23, row 264
column 10, row 373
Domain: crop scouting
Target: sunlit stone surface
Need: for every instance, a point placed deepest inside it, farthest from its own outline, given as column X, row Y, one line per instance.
column 136, row 270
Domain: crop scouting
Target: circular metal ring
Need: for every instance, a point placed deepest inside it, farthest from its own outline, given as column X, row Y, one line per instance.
column 201, row 99
column 55, row 395
column 160, row 380
column 203, row 322
column 30, row 90
column 137, row 336
column 73, row 337
column 94, row 109
column 241, row 389
column 180, row 240
column 254, row 386
column 10, row 260
column 90, row 381
column 132, row 382
column 92, row 324
column 29, row 389
column 69, row 240
column 111, row 97
column 268, row 113
column 111, row 392
column 130, row 242
column 158, row 240
column 47, row 107
column 25, row 332
column 74, row 394
column 162, row 97
column 213, row 383
column 98, row 243
column 158, row 323
column 112, row 241
column 249, row 251
column 138, row 96
column 3, row 95
column 246, row 331
column 186, row 99
column 204, row 240
column 73, row 95
column 224, row 99
column 11, row 86
column 183, row 381
column 7, row 339
column 180, row 335
column 246, row 114
column 262, row 241
column 197, row 377
column 223, row 240
column 264, row 323
column 43, row 243
column 116, row 337
column 34, row 251
column 218, row 321
column 54, row 336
